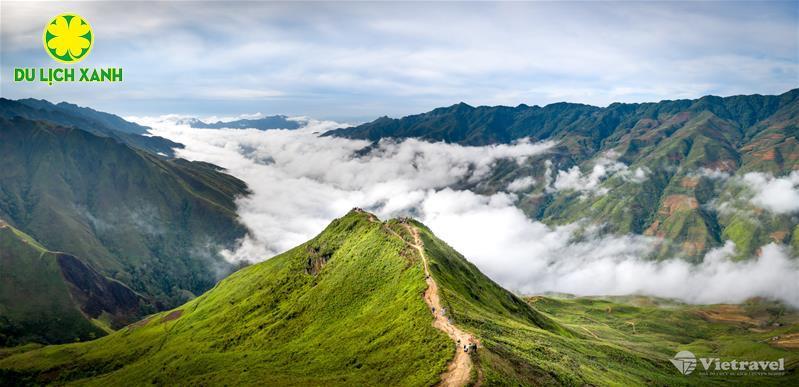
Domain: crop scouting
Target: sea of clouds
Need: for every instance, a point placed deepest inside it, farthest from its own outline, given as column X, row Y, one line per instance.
column 301, row 182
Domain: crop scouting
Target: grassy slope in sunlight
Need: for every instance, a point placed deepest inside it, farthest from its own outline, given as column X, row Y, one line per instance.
column 346, row 308
column 360, row 320
column 583, row 344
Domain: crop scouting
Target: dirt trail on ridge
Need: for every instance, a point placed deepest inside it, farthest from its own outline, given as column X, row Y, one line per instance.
column 460, row 368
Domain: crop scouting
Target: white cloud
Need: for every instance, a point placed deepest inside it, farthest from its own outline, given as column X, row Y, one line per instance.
column 521, row 184
column 301, row 182
column 639, row 175
column 589, row 183
column 402, row 58
column 714, row 174
column 779, row 195
column 532, row 258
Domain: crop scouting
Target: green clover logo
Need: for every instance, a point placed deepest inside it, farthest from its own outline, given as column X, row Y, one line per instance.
column 68, row 38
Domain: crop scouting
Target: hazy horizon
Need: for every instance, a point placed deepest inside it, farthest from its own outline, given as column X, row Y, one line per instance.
column 352, row 62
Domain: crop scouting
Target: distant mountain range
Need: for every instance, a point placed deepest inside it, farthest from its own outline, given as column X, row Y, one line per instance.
column 265, row 123
column 691, row 154
column 594, row 127
column 98, row 123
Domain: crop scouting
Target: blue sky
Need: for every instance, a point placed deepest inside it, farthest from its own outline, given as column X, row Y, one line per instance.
column 357, row 61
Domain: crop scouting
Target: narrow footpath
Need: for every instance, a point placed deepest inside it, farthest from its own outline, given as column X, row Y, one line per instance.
column 460, row 368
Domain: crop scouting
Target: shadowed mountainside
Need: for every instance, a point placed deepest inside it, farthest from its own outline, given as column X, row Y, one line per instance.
column 96, row 122
column 50, row 297
column 155, row 225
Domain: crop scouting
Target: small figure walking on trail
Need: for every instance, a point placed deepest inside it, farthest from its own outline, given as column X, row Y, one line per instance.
column 472, row 344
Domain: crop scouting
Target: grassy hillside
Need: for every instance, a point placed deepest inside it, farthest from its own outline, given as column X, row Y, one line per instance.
column 656, row 329
column 515, row 348
column 153, row 224
column 346, row 308
column 343, row 308
column 52, row 297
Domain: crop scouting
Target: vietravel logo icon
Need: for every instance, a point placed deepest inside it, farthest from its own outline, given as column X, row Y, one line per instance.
column 68, row 38
column 685, row 362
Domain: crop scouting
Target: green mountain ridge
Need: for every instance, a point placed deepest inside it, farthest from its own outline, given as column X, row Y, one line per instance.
column 483, row 125
column 154, row 225
column 109, row 120
column 55, row 297
column 347, row 308
column 671, row 142
column 99, row 123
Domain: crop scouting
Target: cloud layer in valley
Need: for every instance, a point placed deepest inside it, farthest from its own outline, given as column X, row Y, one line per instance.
column 605, row 166
column 301, row 182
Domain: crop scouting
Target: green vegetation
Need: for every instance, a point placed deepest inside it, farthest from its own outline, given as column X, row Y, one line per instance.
column 346, row 308
column 89, row 184
column 673, row 140
column 650, row 330
column 43, row 300
column 740, row 231
column 522, row 345
column 95, row 122
column 155, row 225
column 679, row 201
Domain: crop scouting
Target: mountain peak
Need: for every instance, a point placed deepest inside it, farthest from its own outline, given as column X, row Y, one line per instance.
column 460, row 107
column 355, row 301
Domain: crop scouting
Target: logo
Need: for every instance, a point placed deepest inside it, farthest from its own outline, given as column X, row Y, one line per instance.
column 68, row 38
column 685, row 362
